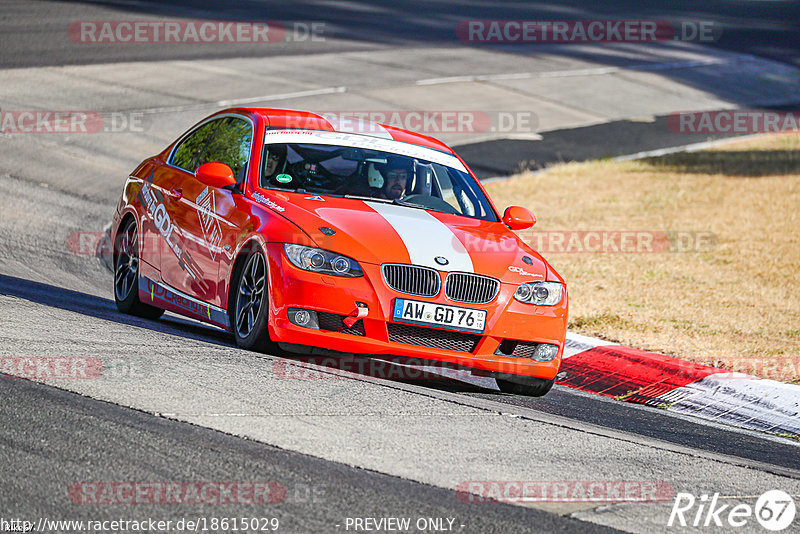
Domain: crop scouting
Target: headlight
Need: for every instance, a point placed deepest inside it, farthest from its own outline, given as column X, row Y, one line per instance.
column 540, row 293
column 321, row 261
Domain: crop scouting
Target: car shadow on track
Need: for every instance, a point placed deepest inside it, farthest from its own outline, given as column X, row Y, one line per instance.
column 100, row 308
column 419, row 372
column 413, row 371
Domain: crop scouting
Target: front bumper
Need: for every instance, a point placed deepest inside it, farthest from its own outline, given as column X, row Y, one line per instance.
column 376, row 333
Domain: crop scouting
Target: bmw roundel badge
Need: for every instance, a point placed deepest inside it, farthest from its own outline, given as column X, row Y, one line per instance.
column 441, row 260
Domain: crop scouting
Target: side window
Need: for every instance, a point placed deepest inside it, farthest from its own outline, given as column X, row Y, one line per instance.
column 451, row 193
column 225, row 140
column 189, row 153
column 231, row 145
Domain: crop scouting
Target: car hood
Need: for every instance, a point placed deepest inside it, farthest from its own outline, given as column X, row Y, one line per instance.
column 377, row 232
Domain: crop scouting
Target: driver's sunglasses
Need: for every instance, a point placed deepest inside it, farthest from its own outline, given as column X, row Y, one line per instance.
column 399, row 174
column 275, row 157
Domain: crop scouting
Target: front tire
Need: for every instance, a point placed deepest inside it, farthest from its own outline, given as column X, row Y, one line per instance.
column 126, row 274
column 250, row 304
column 524, row 385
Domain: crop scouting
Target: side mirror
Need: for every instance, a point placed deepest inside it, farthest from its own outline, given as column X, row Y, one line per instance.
column 518, row 218
column 215, row 174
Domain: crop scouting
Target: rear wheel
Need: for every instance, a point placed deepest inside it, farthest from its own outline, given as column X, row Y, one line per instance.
column 126, row 274
column 524, row 385
column 250, row 304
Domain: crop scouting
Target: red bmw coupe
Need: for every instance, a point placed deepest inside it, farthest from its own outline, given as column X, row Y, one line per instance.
column 293, row 232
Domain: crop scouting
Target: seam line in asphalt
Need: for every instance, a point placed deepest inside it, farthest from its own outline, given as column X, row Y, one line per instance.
column 555, row 420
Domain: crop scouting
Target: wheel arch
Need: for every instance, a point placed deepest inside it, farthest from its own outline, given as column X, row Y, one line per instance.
column 126, row 216
column 242, row 252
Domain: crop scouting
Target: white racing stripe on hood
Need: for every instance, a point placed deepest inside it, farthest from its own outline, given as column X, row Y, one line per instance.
column 425, row 237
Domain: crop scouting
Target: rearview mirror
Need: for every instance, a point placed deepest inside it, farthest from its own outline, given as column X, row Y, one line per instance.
column 215, row 174
column 353, row 154
column 518, row 218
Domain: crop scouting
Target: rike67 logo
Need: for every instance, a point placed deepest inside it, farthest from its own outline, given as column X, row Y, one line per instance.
column 774, row 510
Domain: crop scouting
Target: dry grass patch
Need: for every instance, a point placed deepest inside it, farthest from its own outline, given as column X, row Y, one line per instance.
column 734, row 304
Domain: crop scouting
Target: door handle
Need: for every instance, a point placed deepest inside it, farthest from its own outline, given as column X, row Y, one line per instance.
column 176, row 193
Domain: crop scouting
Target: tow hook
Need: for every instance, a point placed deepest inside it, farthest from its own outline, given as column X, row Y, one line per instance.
column 360, row 312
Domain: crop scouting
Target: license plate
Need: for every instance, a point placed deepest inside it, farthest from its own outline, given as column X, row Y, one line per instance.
column 429, row 313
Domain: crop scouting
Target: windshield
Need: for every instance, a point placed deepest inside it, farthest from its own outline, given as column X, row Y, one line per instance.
column 367, row 173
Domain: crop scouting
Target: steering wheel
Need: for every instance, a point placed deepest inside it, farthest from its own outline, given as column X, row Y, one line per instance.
column 307, row 180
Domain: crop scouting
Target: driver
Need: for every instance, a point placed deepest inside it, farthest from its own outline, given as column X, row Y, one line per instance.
column 275, row 156
column 396, row 174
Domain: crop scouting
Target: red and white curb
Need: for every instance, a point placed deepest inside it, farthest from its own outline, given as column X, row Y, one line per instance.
column 632, row 375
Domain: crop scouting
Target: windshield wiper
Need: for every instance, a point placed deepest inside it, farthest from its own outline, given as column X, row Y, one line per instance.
column 395, row 201
column 399, row 202
column 363, row 197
